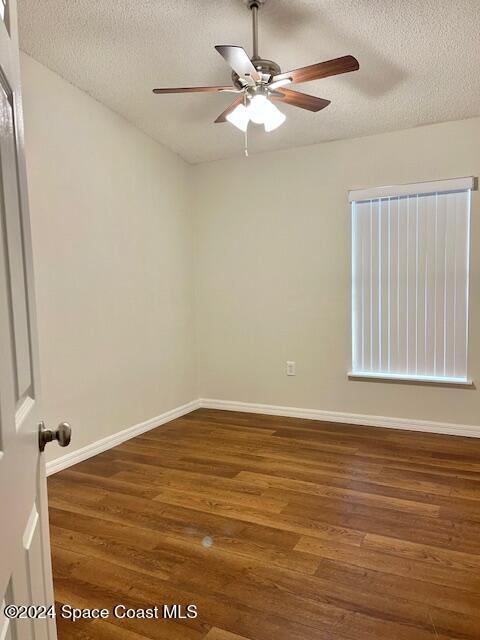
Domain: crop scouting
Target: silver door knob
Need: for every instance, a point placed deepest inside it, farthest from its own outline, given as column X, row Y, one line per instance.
column 62, row 434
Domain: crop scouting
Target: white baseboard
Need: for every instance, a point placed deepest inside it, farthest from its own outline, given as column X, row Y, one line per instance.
column 428, row 426
column 112, row 441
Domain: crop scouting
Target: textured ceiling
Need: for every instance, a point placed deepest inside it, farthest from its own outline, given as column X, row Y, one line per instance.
column 419, row 63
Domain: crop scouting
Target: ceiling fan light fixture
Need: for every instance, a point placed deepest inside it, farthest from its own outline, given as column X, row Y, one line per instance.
column 239, row 117
column 262, row 111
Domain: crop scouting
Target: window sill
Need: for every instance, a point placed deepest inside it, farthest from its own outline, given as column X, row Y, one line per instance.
column 393, row 377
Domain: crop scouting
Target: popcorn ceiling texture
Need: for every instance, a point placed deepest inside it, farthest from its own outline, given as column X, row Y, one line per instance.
column 419, row 63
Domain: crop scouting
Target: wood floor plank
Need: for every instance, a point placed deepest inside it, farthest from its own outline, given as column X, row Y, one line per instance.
column 94, row 630
column 424, row 552
column 358, row 502
column 130, row 556
column 385, row 561
column 276, row 528
column 219, row 634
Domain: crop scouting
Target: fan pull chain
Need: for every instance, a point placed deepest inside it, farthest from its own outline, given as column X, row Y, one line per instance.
column 246, row 130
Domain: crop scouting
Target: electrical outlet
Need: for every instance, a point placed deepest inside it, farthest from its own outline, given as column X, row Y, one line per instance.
column 291, row 368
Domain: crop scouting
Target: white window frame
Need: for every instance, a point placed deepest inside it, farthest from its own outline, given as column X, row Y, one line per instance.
column 396, row 191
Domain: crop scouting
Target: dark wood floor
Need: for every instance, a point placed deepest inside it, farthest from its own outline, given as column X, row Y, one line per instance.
column 276, row 528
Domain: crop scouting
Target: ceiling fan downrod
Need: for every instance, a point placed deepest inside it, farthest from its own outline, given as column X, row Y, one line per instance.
column 267, row 68
column 254, row 6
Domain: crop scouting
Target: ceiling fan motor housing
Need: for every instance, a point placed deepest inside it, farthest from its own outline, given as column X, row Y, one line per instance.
column 267, row 68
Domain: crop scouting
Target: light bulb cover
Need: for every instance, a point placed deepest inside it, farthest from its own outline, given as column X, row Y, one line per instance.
column 275, row 118
column 239, row 117
column 258, row 108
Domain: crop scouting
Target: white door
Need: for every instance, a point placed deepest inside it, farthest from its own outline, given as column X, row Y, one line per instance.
column 25, row 571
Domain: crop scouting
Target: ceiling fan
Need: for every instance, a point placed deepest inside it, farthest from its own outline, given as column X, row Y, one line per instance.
column 257, row 82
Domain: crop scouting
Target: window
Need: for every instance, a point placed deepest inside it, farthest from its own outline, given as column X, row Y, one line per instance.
column 410, row 262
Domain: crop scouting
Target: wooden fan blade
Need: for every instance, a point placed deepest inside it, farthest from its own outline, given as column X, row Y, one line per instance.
column 320, row 70
column 302, row 100
column 238, row 59
column 193, row 89
column 223, row 116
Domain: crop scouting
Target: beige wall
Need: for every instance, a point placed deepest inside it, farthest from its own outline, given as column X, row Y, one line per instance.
column 273, row 272
column 112, row 259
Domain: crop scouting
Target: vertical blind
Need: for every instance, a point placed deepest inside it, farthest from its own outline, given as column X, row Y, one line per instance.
column 410, row 263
